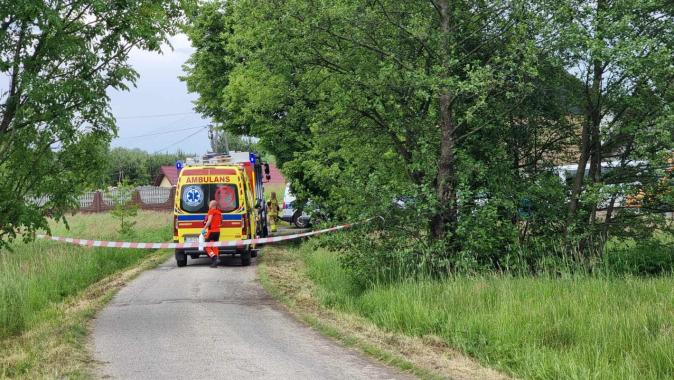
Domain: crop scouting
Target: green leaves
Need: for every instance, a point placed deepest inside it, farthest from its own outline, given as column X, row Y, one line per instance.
column 124, row 209
column 467, row 111
column 59, row 60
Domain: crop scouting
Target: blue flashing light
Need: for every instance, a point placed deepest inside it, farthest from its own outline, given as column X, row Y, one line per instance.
column 251, row 156
column 179, row 165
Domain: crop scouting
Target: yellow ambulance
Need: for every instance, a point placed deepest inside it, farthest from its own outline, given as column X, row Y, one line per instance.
column 232, row 185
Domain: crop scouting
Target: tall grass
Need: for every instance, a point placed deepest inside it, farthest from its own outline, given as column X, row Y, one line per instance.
column 572, row 327
column 40, row 273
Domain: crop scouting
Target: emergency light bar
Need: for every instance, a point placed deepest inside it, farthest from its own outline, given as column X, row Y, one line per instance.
column 219, row 159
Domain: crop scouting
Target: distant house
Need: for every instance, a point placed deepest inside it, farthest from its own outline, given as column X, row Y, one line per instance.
column 167, row 177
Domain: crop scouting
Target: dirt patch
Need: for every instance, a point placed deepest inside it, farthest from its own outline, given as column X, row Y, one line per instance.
column 283, row 274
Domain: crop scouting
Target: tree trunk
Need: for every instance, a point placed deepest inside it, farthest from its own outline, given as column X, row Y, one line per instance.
column 444, row 221
column 580, row 172
column 611, row 206
column 447, row 212
column 590, row 137
column 595, row 135
column 13, row 95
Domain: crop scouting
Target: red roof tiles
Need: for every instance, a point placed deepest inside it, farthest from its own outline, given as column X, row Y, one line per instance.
column 170, row 172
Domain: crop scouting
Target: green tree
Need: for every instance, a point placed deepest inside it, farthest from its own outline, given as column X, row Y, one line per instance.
column 128, row 165
column 225, row 141
column 462, row 108
column 124, row 209
column 59, row 59
column 622, row 52
column 387, row 71
column 136, row 166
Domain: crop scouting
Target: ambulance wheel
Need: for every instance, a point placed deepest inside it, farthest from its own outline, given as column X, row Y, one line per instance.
column 181, row 258
column 245, row 258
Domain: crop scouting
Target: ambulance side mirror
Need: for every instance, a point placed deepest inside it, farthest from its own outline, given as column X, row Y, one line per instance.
column 266, row 170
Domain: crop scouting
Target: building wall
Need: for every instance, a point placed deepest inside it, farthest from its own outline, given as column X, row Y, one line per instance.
column 165, row 182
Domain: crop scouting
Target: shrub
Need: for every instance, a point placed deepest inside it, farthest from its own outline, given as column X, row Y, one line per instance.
column 124, row 209
column 648, row 257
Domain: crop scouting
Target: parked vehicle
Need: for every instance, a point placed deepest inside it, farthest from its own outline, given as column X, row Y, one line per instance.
column 233, row 185
column 291, row 215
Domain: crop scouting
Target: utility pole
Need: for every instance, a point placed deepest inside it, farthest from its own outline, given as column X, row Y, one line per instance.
column 226, row 138
column 219, row 140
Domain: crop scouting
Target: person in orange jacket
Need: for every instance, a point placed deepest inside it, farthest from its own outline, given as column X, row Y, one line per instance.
column 211, row 231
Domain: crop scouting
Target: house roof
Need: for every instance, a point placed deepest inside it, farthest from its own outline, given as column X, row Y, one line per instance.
column 170, row 172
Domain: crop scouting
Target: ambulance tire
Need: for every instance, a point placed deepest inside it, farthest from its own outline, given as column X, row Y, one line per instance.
column 245, row 258
column 181, row 258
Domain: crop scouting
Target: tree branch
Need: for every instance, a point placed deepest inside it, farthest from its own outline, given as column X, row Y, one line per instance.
column 429, row 51
column 10, row 106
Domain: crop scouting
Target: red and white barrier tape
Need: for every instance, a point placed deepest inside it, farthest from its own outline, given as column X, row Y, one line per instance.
column 225, row 243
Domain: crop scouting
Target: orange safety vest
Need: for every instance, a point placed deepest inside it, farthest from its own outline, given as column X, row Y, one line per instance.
column 216, row 221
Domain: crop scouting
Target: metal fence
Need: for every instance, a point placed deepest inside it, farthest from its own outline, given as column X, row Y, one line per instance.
column 114, row 196
column 86, row 199
column 146, row 197
column 154, row 195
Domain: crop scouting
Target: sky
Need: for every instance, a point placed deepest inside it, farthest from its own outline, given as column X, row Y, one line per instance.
column 159, row 105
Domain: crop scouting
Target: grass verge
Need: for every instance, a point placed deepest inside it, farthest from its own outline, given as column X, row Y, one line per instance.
column 283, row 273
column 49, row 291
column 570, row 327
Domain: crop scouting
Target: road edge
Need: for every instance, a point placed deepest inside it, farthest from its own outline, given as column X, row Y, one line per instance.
column 283, row 276
column 59, row 347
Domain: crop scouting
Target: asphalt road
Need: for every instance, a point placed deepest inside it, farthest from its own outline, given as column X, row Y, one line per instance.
column 202, row 323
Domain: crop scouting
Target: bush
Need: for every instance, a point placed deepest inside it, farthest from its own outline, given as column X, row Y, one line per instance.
column 373, row 256
column 646, row 258
column 124, row 209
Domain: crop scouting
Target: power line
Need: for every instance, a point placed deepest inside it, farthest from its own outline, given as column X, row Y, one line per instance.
column 154, row 116
column 162, row 133
column 181, row 140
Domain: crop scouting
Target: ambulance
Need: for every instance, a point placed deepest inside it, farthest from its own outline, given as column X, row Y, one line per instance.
column 235, row 182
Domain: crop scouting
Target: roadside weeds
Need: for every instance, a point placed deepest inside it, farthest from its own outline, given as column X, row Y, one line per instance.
column 283, row 275
column 57, row 347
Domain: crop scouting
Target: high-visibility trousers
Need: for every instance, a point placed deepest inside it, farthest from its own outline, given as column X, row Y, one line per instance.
column 212, row 251
column 273, row 216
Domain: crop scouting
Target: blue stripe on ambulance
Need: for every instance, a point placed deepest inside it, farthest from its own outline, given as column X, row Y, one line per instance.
column 202, row 216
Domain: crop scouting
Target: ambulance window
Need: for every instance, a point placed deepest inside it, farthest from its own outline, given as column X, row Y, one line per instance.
column 227, row 197
column 195, row 198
